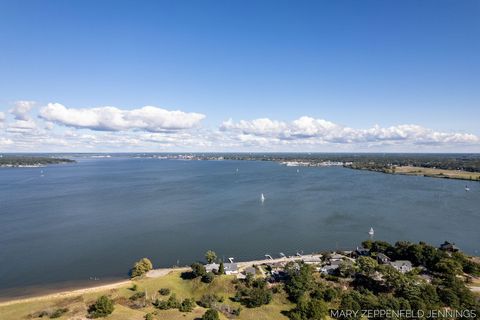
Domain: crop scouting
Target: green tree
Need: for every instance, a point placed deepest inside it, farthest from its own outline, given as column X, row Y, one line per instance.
column 346, row 269
column 198, row 269
column 350, row 301
column 141, row 267
column 257, row 297
column 211, row 314
column 312, row 309
column 367, row 265
column 299, row 281
column 210, row 256
column 101, row 308
column 449, row 266
column 221, row 268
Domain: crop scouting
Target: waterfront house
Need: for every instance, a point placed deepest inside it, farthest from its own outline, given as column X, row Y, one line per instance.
column 383, row 259
column 450, row 247
column 230, row 268
column 336, row 257
column 402, row 265
column 312, row 259
column 250, row 270
column 360, row 251
column 330, row 269
column 212, row 267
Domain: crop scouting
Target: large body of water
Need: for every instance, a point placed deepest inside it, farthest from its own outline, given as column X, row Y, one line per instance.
column 96, row 217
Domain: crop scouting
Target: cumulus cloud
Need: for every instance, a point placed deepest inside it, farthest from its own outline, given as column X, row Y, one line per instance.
column 21, row 109
column 309, row 130
column 148, row 118
column 154, row 129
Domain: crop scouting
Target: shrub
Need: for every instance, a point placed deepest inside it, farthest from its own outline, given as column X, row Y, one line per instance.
column 257, row 297
column 208, row 300
column 187, row 305
column 137, row 295
column 148, row 316
column 208, row 277
column 211, row 314
column 58, row 313
column 141, row 267
column 236, row 312
column 171, row 303
column 101, row 308
column 164, row 291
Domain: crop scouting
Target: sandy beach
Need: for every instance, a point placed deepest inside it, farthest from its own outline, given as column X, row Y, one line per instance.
column 155, row 273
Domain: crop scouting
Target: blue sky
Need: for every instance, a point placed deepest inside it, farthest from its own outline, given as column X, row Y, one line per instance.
column 358, row 65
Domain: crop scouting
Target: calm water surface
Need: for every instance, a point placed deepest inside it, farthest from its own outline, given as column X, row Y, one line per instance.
column 96, row 217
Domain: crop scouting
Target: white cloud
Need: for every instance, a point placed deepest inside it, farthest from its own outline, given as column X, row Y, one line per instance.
column 21, row 109
column 22, row 126
column 258, row 127
column 155, row 129
column 147, row 118
column 5, row 142
column 307, row 130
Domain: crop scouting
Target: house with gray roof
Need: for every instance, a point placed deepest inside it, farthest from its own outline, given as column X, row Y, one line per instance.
column 212, row 267
column 230, row 268
column 383, row 259
column 402, row 265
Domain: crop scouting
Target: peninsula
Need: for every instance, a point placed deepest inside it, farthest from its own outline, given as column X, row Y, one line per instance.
column 14, row 161
column 374, row 276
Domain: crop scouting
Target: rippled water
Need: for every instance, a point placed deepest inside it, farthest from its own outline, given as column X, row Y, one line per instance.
column 96, row 217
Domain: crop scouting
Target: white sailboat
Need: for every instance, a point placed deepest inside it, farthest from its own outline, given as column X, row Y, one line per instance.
column 371, row 232
column 467, row 188
column 262, row 198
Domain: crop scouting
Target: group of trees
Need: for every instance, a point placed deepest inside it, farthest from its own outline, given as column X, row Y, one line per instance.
column 309, row 294
column 423, row 254
column 16, row 161
column 253, row 293
column 187, row 305
column 379, row 286
column 141, row 267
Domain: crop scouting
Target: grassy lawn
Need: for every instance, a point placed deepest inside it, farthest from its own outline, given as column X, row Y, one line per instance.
column 78, row 305
column 438, row 173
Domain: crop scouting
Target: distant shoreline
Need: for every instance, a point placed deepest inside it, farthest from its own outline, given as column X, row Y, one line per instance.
column 427, row 172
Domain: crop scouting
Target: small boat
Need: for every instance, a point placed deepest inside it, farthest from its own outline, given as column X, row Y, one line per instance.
column 467, row 188
column 262, row 197
column 371, row 232
column 298, row 170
